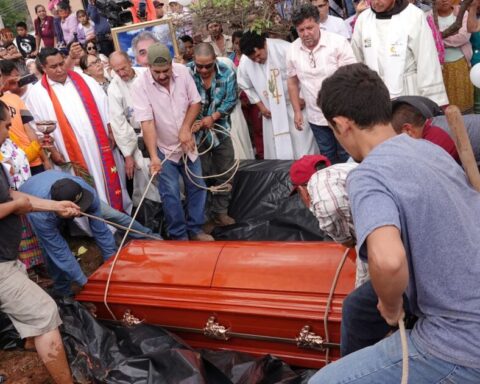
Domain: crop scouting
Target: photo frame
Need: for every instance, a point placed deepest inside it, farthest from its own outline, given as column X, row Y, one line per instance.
column 163, row 29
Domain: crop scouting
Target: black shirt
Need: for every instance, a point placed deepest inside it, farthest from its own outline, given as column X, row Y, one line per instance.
column 26, row 44
column 10, row 226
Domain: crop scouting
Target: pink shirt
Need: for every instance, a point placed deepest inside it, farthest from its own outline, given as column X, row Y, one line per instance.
column 151, row 101
column 312, row 67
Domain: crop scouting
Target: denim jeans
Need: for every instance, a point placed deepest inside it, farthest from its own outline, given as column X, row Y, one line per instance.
column 115, row 216
column 328, row 144
column 382, row 364
column 182, row 224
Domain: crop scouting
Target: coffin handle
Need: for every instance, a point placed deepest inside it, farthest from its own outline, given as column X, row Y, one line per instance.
column 310, row 340
column 215, row 331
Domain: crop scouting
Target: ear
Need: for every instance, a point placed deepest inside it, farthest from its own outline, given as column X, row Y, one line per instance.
column 342, row 125
column 409, row 130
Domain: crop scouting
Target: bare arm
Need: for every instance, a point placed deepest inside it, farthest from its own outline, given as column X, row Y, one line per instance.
column 186, row 136
column 472, row 22
column 294, row 93
column 150, row 139
column 387, row 262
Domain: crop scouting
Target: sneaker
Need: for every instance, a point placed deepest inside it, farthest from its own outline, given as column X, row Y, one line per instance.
column 222, row 220
column 202, row 236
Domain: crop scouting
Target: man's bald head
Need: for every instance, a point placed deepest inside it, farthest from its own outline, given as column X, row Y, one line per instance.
column 122, row 65
column 204, row 50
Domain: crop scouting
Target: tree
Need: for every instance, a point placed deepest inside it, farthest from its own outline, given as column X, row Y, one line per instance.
column 13, row 12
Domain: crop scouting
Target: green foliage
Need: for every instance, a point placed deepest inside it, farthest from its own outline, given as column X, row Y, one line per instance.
column 12, row 12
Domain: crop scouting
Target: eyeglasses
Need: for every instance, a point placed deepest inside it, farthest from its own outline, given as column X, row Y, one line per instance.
column 320, row 6
column 98, row 61
column 91, row 48
column 205, row 66
column 159, row 5
column 311, row 58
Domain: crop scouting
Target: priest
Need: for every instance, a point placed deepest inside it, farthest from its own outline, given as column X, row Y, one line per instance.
column 262, row 75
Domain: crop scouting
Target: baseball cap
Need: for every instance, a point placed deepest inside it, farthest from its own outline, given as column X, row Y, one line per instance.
column 67, row 189
column 159, row 54
column 428, row 108
column 302, row 169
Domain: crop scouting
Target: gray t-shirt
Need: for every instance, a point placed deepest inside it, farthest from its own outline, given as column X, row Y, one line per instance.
column 417, row 187
column 472, row 125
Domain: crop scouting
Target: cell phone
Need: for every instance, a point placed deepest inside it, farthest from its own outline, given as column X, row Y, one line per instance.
column 27, row 79
column 75, row 37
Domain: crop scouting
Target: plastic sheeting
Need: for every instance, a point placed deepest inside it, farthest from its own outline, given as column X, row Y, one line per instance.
column 110, row 352
column 265, row 209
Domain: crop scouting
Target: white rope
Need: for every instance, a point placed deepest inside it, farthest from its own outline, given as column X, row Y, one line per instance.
column 403, row 339
column 110, row 273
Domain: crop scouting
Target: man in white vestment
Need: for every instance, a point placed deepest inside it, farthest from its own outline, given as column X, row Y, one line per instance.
column 330, row 23
column 393, row 39
column 262, row 74
column 79, row 106
column 125, row 128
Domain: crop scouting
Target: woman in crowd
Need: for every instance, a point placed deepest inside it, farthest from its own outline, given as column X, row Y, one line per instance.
column 92, row 66
column 44, row 28
column 458, row 53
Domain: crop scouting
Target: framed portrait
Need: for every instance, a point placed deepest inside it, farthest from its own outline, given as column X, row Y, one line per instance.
column 127, row 37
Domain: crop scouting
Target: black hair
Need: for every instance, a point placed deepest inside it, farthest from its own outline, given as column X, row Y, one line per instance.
column 304, row 12
column 4, row 111
column 39, row 66
column 21, row 24
column 45, row 53
column 81, row 12
column 64, row 6
column 356, row 92
column 237, row 35
column 186, row 38
column 37, row 7
column 406, row 114
column 251, row 40
column 9, row 44
column 7, row 66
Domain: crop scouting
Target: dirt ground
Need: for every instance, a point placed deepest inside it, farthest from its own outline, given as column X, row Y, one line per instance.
column 25, row 367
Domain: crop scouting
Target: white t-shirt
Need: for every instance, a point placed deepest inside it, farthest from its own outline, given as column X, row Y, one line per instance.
column 336, row 25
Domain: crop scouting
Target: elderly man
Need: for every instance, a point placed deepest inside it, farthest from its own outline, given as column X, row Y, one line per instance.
column 222, row 44
column 125, row 128
column 216, row 82
column 166, row 103
column 263, row 63
column 140, row 44
column 393, row 38
column 330, row 23
column 311, row 58
column 405, row 195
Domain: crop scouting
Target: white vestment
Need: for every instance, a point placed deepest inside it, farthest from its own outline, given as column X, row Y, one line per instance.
column 41, row 107
column 268, row 83
column 123, row 125
column 403, row 52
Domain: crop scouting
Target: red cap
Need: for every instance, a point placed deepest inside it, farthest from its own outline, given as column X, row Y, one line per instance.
column 302, row 169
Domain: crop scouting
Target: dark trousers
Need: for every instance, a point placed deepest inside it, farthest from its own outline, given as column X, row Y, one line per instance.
column 328, row 144
column 255, row 121
column 216, row 161
column 362, row 323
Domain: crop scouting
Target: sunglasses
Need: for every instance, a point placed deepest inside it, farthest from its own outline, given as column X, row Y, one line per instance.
column 91, row 48
column 320, row 6
column 205, row 66
column 159, row 5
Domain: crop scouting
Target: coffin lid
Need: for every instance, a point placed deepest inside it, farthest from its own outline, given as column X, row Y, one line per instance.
column 270, row 266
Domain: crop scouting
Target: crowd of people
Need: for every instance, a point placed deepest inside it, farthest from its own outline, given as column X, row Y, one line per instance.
column 84, row 129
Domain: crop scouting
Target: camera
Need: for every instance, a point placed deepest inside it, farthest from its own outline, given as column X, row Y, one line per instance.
column 116, row 11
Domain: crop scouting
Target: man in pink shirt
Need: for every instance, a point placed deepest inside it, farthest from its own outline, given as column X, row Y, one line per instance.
column 313, row 57
column 166, row 103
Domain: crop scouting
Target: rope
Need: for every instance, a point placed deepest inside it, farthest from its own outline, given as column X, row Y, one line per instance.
column 120, row 226
column 401, row 324
column 107, row 286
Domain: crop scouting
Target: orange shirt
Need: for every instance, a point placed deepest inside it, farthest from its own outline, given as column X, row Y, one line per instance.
column 21, row 138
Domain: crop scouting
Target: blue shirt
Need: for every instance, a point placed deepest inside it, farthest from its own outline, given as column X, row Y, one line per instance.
column 45, row 225
column 417, row 187
column 221, row 97
column 101, row 27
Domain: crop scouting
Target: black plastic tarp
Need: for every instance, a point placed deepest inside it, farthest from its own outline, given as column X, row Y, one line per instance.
column 264, row 208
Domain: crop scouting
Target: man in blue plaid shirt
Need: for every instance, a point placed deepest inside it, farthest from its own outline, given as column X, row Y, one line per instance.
column 217, row 85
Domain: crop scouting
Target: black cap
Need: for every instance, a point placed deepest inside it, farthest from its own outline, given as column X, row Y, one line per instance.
column 67, row 189
column 428, row 108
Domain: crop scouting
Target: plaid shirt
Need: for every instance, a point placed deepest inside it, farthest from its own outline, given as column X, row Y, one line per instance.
column 331, row 206
column 223, row 98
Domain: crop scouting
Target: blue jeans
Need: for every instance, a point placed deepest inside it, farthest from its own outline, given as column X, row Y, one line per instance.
column 382, row 364
column 182, row 224
column 115, row 216
column 328, row 144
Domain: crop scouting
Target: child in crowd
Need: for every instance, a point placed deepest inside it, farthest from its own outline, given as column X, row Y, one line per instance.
column 25, row 42
column 85, row 29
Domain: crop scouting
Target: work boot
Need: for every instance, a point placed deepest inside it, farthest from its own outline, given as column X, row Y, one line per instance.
column 208, row 227
column 222, row 220
column 202, row 236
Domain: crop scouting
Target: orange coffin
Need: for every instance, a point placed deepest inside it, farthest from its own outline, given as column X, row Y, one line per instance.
column 254, row 297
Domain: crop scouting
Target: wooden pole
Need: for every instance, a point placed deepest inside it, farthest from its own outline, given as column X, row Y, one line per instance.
column 464, row 148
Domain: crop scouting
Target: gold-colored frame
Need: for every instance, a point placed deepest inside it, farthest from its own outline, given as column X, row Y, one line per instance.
column 143, row 26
